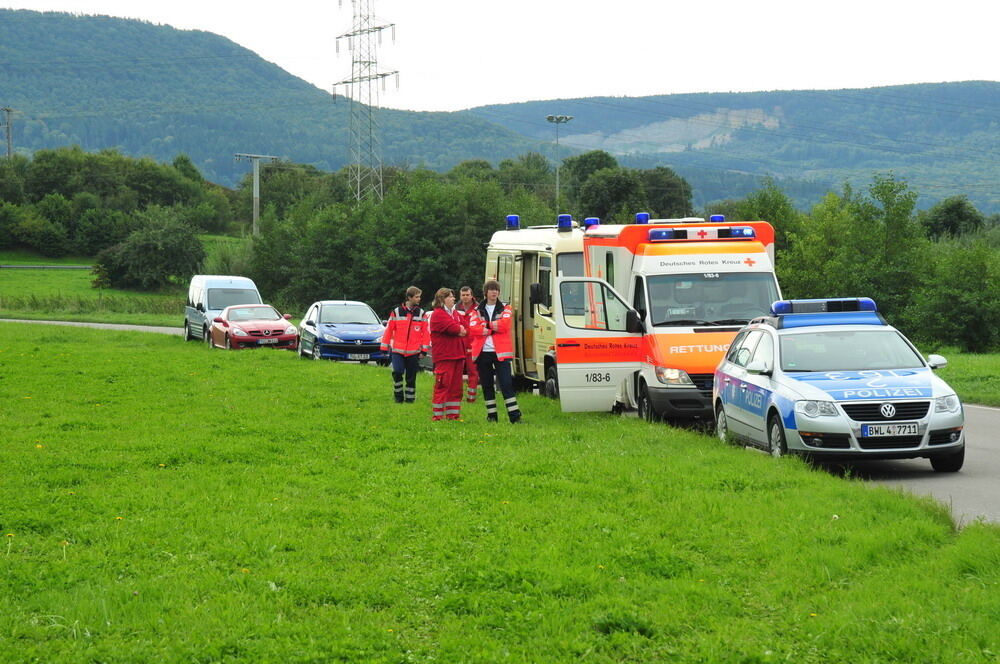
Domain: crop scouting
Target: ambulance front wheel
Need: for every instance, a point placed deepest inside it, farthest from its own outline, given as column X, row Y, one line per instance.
column 645, row 405
column 551, row 382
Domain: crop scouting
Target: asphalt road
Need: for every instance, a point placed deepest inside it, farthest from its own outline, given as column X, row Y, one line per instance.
column 973, row 493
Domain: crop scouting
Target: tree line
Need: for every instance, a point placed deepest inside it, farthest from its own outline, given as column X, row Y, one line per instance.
column 934, row 272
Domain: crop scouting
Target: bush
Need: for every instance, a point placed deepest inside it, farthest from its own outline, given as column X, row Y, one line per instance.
column 151, row 257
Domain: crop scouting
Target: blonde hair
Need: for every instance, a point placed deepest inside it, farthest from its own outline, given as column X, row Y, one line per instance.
column 441, row 294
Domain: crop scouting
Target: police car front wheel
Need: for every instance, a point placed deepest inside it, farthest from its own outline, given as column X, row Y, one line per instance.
column 776, row 437
column 950, row 463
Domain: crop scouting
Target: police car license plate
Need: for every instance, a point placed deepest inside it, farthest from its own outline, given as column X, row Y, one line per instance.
column 357, row 356
column 267, row 341
column 894, row 429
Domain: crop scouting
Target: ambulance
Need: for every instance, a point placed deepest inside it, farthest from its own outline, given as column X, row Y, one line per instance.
column 632, row 316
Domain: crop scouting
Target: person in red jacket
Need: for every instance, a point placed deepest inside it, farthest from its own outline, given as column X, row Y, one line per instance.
column 493, row 350
column 447, row 332
column 406, row 337
column 466, row 308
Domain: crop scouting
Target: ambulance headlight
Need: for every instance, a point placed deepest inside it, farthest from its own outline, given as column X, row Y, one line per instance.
column 816, row 408
column 673, row 377
column 948, row 404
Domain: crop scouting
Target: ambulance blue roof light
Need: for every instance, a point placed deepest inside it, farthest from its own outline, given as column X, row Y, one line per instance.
column 591, row 221
column 717, row 218
column 564, row 222
column 661, row 234
column 642, row 217
column 513, row 222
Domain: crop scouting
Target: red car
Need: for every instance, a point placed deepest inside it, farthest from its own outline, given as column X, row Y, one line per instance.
column 252, row 326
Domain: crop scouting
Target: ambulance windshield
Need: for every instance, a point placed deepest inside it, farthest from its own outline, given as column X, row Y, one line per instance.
column 717, row 298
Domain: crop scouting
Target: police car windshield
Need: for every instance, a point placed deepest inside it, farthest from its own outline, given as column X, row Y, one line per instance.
column 847, row 350
column 344, row 314
column 220, row 298
column 720, row 298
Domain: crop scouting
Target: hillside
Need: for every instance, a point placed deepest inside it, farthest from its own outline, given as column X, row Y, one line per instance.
column 152, row 90
column 942, row 137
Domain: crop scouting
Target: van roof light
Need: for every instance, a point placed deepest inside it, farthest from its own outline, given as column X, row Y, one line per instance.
column 564, row 223
column 513, row 222
column 591, row 221
column 717, row 218
column 642, row 217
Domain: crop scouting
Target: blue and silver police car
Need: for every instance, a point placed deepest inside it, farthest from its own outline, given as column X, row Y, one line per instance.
column 832, row 379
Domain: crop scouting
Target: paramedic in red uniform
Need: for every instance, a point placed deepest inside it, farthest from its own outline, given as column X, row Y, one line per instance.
column 466, row 307
column 406, row 337
column 493, row 350
column 447, row 334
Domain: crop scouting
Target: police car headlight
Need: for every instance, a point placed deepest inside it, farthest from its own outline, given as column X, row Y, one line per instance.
column 332, row 339
column 948, row 404
column 239, row 332
column 815, row 408
column 673, row 377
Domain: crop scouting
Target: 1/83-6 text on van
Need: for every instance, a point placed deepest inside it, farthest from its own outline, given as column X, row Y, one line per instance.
column 208, row 295
column 832, row 379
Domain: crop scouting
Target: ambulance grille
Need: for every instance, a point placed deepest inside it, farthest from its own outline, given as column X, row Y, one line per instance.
column 871, row 411
column 703, row 382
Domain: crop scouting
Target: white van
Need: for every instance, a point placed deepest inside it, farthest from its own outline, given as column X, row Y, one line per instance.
column 208, row 295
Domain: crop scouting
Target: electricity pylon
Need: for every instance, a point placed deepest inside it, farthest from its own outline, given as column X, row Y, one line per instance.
column 362, row 89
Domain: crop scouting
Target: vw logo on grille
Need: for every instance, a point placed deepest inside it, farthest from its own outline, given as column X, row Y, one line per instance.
column 887, row 410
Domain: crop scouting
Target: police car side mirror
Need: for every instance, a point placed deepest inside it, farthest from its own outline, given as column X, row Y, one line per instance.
column 936, row 361
column 633, row 323
column 762, row 367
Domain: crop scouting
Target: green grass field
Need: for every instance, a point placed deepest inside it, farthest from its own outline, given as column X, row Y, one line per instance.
column 162, row 502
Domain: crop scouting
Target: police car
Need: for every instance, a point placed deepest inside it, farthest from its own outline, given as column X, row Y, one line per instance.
column 832, row 379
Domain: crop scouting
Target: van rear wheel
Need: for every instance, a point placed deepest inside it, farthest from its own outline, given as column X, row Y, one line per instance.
column 645, row 405
column 551, row 382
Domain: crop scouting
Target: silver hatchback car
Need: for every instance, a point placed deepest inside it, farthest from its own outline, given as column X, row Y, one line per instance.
column 832, row 379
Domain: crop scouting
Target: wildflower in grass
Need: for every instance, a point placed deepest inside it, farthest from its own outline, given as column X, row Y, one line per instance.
column 245, row 570
column 10, row 534
column 119, row 518
column 39, row 446
column 163, row 465
column 835, row 517
column 813, row 615
column 600, row 567
column 27, row 397
column 72, row 493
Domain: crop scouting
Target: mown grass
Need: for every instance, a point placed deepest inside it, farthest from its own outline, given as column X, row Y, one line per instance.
column 67, row 295
column 974, row 376
column 173, row 504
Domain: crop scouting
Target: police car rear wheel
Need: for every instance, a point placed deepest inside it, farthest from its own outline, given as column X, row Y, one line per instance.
column 951, row 463
column 776, row 437
column 721, row 424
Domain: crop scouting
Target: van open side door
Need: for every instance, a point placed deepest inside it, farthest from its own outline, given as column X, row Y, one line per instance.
column 598, row 343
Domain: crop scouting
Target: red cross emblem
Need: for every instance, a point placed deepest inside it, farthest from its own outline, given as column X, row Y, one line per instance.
column 750, row 262
column 702, row 233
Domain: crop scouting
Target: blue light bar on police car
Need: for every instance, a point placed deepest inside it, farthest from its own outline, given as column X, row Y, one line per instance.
column 513, row 222
column 642, row 217
column 835, row 305
column 564, row 222
column 591, row 221
column 717, row 218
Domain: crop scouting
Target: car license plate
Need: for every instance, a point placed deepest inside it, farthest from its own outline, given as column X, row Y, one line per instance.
column 357, row 356
column 894, row 429
column 267, row 341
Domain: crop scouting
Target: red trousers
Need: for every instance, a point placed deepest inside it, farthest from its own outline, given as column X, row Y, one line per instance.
column 447, row 400
column 472, row 384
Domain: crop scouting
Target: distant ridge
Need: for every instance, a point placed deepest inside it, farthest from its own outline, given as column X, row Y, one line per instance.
column 152, row 90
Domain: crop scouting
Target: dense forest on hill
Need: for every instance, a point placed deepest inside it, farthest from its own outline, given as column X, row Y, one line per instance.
column 151, row 90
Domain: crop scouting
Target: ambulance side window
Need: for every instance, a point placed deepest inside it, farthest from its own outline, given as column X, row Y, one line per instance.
column 545, row 279
column 609, row 268
column 505, row 274
column 592, row 306
column 639, row 298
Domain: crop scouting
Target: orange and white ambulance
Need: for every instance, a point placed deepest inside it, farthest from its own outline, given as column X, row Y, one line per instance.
column 656, row 307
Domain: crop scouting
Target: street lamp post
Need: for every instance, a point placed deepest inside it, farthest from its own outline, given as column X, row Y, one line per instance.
column 558, row 120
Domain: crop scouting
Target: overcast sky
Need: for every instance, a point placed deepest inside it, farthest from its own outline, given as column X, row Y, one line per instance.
column 456, row 54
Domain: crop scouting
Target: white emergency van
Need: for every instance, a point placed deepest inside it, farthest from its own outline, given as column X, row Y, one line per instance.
column 647, row 319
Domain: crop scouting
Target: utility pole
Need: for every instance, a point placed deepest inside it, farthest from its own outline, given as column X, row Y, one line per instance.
column 7, row 125
column 362, row 89
column 255, row 159
column 558, row 120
